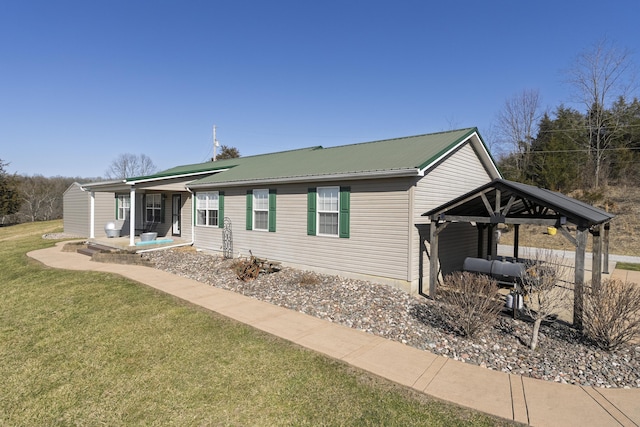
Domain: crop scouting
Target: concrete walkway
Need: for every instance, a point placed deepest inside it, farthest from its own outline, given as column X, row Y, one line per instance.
column 522, row 399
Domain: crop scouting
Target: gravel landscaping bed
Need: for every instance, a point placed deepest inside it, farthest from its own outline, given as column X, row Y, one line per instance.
column 562, row 354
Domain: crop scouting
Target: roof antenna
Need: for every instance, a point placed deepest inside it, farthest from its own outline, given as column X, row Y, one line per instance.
column 216, row 144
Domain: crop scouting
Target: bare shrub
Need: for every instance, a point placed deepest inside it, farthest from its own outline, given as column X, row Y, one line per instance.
column 245, row 269
column 612, row 314
column 308, row 278
column 541, row 285
column 473, row 305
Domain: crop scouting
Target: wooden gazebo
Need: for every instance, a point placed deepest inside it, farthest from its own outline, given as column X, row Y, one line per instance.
column 507, row 202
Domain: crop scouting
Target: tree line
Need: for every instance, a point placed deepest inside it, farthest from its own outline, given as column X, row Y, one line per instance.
column 31, row 198
column 38, row 198
column 587, row 147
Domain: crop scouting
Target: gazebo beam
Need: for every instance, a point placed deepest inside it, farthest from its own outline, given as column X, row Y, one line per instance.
column 549, row 221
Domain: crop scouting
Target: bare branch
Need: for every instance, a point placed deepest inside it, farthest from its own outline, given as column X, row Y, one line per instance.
column 128, row 165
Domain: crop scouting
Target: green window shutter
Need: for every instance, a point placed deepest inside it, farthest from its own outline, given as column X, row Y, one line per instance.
column 117, row 200
column 249, row 210
column 144, row 210
column 272, row 210
column 163, row 198
column 311, row 211
column 345, row 201
column 221, row 209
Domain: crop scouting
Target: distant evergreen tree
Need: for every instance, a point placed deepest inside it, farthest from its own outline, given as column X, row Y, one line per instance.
column 624, row 159
column 9, row 193
column 558, row 158
column 227, row 152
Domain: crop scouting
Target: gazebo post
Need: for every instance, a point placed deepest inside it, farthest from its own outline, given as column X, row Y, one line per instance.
column 481, row 228
column 434, row 262
column 596, row 263
column 605, row 243
column 578, row 290
column 516, row 241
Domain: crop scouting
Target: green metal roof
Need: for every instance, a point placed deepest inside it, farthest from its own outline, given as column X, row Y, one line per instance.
column 401, row 154
column 527, row 198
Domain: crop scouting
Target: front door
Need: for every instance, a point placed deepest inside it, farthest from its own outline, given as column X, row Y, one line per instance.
column 176, row 208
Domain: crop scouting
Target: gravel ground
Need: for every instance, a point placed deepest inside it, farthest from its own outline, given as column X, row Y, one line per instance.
column 56, row 236
column 562, row 355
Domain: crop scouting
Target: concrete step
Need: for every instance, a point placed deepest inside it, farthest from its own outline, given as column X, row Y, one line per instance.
column 93, row 248
column 99, row 247
column 88, row 251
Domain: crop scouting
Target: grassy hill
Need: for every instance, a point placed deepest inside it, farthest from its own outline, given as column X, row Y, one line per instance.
column 623, row 202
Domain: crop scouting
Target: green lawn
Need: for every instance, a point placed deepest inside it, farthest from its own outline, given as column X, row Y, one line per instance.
column 86, row 348
column 628, row 266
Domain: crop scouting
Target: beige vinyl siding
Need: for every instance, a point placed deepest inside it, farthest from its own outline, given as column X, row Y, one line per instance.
column 458, row 174
column 105, row 211
column 457, row 241
column 377, row 245
column 186, row 217
column 77, row 211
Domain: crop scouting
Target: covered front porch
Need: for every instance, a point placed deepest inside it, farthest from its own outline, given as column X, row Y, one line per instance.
column 160, row 206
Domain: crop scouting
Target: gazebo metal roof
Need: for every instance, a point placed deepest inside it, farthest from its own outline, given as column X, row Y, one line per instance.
column 503, row 201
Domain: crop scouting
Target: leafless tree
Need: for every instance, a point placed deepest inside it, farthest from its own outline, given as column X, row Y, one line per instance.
column 599, row 76
column 39, row 198
column 517, row 124
column 542, row 287
column 129, row 165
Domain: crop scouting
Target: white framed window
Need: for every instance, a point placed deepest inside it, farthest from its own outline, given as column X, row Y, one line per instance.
column 153, row 207
column 207, row 209
column 123, row 202
column 328, row 210
column 261, row 210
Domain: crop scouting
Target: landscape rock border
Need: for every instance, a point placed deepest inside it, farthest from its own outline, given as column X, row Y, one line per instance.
column 563, row 355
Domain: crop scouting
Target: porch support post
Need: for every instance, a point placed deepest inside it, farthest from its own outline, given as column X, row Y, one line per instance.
column 605, row 244
column 132, row 216
column 578, row 290
column 92, row 215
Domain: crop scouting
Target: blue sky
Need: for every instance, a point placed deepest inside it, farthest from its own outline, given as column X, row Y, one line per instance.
column 84, row 81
